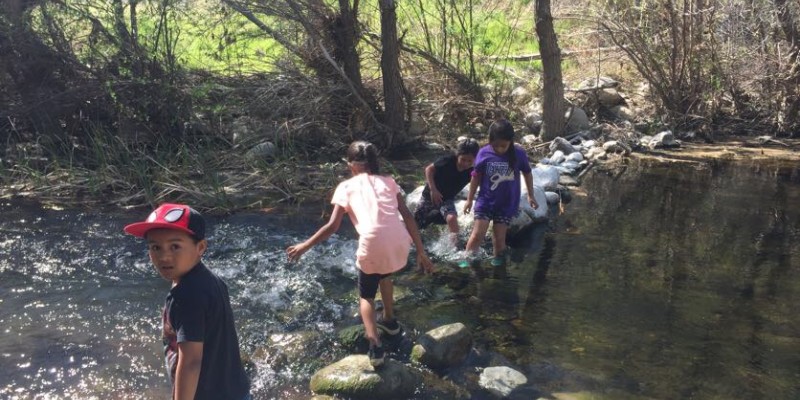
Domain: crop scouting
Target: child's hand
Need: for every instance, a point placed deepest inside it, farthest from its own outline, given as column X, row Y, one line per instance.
column 533, row 202
column 436, row 197
column 425, row 263
column 467, row 206
column 294, row 252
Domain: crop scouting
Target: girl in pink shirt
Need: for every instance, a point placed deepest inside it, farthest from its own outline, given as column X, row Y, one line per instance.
column 375, row 206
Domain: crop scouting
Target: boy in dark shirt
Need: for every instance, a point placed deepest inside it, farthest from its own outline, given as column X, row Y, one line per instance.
column 200, row 343
column 444, row 179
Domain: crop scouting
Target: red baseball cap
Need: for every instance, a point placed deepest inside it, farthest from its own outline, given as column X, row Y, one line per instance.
column 171, row 216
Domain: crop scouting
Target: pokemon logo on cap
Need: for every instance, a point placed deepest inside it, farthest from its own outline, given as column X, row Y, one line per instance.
column 171, row 216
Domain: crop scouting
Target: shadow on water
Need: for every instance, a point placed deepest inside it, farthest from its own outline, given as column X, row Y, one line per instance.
column 663, row 282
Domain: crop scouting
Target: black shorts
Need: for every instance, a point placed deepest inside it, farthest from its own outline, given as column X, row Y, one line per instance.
column 368, row 284
column 427, row 213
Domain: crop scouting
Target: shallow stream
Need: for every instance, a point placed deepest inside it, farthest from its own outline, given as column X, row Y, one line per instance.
column 661, row 282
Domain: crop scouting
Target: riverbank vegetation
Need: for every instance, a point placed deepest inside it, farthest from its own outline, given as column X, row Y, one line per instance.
column 250, row 104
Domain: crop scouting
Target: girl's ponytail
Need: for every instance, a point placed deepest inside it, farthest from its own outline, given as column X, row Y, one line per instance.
column 365, row 153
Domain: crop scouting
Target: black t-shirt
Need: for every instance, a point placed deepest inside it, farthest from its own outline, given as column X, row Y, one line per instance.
column 448, row 179
column 198, row 309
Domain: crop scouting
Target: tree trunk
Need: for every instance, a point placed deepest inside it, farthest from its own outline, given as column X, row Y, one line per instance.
column 553, row 102
column 791, row 28
column 393, row 90
column 344, row 36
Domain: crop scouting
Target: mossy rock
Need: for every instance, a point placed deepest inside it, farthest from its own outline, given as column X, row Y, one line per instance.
column 353, row 377
column 353, row 339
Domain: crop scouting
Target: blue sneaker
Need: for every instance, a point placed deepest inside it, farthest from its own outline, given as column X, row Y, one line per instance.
column 500, row 260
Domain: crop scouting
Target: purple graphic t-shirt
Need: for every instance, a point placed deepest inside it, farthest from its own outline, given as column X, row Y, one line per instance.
column 500, row 187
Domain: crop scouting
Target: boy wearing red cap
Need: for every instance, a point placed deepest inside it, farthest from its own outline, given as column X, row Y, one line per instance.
column 200, row 343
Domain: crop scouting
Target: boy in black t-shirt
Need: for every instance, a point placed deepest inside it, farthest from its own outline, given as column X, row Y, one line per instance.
column 200, row 343
column 443, row 180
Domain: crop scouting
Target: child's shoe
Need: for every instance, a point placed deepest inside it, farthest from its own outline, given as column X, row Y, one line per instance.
column 467, row 261
column 390, row 327
column 500, row 259
column 376, row 356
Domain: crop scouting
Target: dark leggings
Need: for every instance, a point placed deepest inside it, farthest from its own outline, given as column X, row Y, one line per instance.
column 368, row 284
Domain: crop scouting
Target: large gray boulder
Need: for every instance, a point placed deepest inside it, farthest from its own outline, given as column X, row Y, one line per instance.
column 443, row 347
column 577, row 120
column 527, row 214
column 545, row 176
column 600, row 82
column 662, row 140
column 353, row 377
column 609, row 97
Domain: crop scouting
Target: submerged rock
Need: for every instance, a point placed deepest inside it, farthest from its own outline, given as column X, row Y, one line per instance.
column 285, row 349
column 502, row 381
column 443, row 347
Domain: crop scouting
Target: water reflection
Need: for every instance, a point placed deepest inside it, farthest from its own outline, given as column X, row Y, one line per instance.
column 675, row 282
column 659, row 282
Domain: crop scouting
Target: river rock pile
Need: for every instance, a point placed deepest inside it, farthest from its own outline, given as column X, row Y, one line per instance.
column 435, row 357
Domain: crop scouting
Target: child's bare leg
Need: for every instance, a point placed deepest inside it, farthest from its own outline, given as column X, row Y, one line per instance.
column 387, row 296
column 499, row 238
column 367, row 310
column 479, row 229
column 452, row 226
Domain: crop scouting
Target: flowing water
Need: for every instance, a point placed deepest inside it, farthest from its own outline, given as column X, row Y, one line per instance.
column 661, row 282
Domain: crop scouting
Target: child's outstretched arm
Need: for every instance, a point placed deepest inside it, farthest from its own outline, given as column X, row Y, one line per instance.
column 422, row 258
column 294, row 252
column 529, row 184
column 473, row 187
